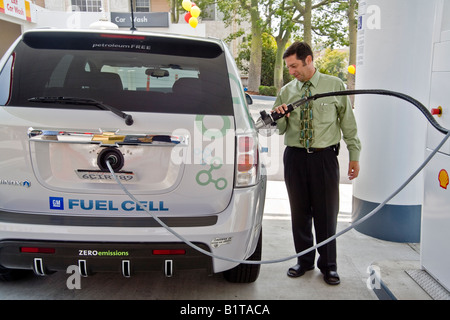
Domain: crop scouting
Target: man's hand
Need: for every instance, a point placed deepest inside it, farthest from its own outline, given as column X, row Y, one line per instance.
column 282, row 109
column 353, row 170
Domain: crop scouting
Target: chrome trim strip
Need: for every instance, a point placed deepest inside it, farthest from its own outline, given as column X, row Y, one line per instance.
column 106, row 138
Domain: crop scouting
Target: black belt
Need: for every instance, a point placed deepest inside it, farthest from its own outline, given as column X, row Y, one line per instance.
column 335, row 148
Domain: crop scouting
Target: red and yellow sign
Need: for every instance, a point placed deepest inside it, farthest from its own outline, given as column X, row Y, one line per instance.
column 16, row 8
column 443, row 179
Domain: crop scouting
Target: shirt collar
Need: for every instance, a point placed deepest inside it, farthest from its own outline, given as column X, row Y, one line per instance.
column 314, row 80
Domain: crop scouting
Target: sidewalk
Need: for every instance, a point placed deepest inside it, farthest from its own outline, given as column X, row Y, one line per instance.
column 358, row 254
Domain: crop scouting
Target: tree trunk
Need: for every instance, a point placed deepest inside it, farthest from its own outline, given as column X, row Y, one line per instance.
column 307, row 25
column 254, row 76
column 174, row 14
column 279, row 62
column 353, row 26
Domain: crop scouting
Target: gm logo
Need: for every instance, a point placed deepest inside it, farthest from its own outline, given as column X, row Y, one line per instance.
column 56, row 203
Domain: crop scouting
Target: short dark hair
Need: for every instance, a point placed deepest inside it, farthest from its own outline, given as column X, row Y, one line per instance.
column 301, row 49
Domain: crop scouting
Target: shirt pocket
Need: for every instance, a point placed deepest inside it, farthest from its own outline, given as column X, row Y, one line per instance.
column 326, row 112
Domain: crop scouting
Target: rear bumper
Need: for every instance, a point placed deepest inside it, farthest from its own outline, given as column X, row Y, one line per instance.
column 90, row 257
column 234, row 235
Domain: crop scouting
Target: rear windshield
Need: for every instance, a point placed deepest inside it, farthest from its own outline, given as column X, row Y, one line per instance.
column 129, row 72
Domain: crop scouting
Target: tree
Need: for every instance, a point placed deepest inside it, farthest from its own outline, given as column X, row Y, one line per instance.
column 175, row 10
column 324, row 26
column 254, row 79
column 295, row 15
column 333, row 62
column 282, row 20
column 329, row 26
column 268, row 57
column 237, row 10
column 352, row 35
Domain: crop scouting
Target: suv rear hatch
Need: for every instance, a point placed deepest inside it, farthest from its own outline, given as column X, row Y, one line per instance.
column 58, row 129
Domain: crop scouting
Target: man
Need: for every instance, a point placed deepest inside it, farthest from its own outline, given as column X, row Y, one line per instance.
column 311, row 169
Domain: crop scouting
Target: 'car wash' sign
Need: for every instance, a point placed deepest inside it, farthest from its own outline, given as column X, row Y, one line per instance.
column 21, row 9
column 141, row 19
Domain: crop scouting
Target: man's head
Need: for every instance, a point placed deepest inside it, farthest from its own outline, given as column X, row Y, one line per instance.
column 299, row 59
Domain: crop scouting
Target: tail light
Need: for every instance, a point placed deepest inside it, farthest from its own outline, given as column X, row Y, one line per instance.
column 247, row 161
column 37, row 250
column 163, row 252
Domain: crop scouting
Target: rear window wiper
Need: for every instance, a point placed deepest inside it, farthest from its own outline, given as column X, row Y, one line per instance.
column 87, row 102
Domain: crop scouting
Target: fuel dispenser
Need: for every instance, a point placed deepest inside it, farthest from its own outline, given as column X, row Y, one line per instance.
column 404, row 45
column 435, row 237
column 394, row 53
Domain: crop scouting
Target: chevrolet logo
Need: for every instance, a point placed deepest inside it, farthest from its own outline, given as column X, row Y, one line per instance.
column 108, row 137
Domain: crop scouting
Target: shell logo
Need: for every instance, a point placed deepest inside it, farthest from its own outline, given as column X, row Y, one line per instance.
column 443, row 179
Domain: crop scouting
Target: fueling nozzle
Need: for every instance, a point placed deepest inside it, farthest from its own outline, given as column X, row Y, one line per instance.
column 266, row 120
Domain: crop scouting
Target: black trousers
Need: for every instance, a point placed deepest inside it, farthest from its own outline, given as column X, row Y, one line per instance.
column 312, row 181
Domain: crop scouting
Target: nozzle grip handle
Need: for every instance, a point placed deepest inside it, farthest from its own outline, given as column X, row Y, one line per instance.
column 276, row 116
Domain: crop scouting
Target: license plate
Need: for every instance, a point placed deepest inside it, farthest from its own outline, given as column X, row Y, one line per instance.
column 105, row 176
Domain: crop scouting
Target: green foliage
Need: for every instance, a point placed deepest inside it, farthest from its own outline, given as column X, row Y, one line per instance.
column 322, row 22
column 268, row 60
column 267, row 91
column 330, row 25
column 333, row 62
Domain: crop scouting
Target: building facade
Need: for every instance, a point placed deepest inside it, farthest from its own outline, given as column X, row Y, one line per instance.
column 105, row 5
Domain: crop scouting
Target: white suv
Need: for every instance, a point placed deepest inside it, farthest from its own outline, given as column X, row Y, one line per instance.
column 170, row 116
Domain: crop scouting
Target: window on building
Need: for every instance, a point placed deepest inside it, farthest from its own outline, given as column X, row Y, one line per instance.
column 87, row 5
column 142, row 5
column 210, row 12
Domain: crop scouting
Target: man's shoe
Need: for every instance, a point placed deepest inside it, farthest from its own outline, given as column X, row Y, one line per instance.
column 297, row 271
column 331, row 277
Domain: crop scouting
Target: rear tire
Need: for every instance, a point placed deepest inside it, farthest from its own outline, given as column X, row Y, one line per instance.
column 246, row 273
column 13, row 274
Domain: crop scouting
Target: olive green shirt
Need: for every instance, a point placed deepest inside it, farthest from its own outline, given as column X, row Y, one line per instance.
column 331, row 115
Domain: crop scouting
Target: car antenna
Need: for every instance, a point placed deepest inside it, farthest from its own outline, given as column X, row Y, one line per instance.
column 133, row 28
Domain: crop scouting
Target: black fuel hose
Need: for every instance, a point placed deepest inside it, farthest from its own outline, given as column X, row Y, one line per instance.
column 399, row 95
column 267, row 119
